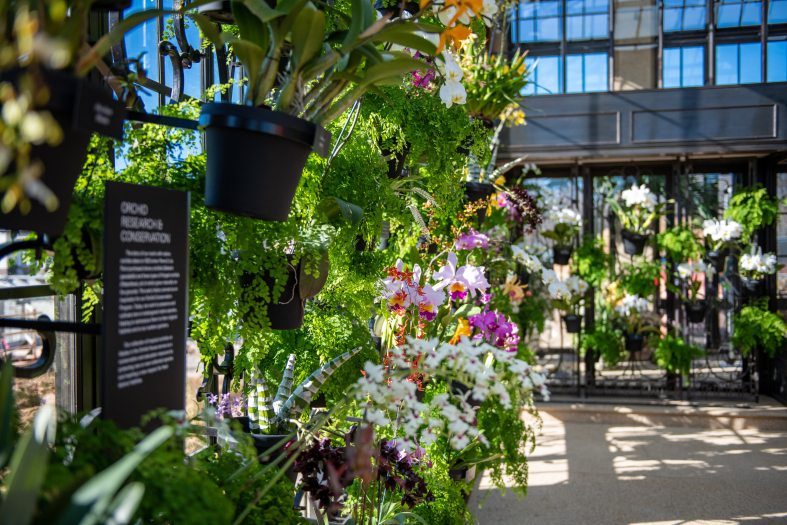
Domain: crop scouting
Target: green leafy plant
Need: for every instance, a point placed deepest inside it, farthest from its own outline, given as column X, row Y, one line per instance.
column 680, row 244
column 752, row 208
column 756, row 326
column 333, row 58
column 276, row 416
column 590, row 262
column 604, row 341
column 675, row 355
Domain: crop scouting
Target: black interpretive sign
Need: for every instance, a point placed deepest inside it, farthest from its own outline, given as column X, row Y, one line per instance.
column 145, row 301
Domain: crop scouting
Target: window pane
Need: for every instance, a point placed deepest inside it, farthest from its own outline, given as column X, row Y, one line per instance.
column 545, row 78
column 142, row 43
column 752, row 14
column 574, row 28
column 599, row 26
column 672, row 19
column 574, row 74
column 727, row 64
column 548, row 29
column 671, row 69
column 777, row 12
column 693, row 66
column 596, row 77
column 537, row 21
column 777, row 61
column 728, row 15
column 694, row 18
column 750, row 63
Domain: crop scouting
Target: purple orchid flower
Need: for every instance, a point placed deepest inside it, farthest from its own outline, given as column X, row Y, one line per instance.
column 471, row 240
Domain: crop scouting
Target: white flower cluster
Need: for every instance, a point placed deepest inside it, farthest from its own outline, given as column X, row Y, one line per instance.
column 639, row 196
column 570, row 289
column 452, row 91
column 687, row 269
column 725, row 230
column 632, row 304
column 564, row 216
column 447, row 14
column 486, row 371
column 530, row 262
column 758, row 264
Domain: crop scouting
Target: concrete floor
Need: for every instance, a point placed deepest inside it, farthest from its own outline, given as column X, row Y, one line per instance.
column 646, row 470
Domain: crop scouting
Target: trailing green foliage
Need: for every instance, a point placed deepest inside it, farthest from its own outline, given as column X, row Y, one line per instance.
column 604, row 341
column 752, row 208
column 680, row 244
column 641, row 278
column 590, row 262
column 675, row 355
column 756, row 326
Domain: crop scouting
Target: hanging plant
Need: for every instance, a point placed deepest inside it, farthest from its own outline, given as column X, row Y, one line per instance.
column 755, row 326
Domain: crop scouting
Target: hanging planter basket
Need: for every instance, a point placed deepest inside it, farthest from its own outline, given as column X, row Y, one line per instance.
column 633, row 243
column 256, row 158
column 561, row 254
column 396, row 161
column 287, row 313
column 695, row 311
column 80, row 109
column 264, row 444
column 111, row 5
column 475, row 191
column 751, row 288
column 219, row 11
column 573, row 323
column 634, row 342
column 522, row 275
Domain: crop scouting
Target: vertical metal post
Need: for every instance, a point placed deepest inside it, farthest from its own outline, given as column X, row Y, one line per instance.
column 588, row 213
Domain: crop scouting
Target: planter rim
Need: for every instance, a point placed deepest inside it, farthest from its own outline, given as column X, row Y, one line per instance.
column 628, row 234
column 265, row 121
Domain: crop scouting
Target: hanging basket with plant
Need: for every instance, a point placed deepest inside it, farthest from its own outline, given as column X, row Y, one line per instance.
column 637, row 208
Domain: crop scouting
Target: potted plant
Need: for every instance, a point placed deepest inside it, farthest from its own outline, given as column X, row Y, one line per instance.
column 755, row 326
column 753, row 267
column 722, row 236
column 632, row 312
column 605, row 342
column 564, row 225
column 691, row 276
column 256, row 154
column 527, row 263
column 49, row 109
column 752, row 208
column 569, row 296
column 680, row 244
column 675, row 355
column 637, row 208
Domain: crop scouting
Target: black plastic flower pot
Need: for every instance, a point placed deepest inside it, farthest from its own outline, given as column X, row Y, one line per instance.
column 218, row 11
column 460, row 389
column 751, row 288
column 264, row 445
column 634, row 342
column 287, row 312
column 573, row 323
column 111, row 5
column 695, row 311
column 561, row 254
column 396, row 161
column 80, row 109
column 475, row 191
column 256, row 158
column 523, row 276
column 633, row 243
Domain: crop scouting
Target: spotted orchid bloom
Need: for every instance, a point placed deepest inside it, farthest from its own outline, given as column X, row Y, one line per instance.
column 401, row 287
column 471, row 240
column 462, row 281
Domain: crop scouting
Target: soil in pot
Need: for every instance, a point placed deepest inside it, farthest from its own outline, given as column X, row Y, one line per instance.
column 80, row 109
column 634, row 342
column 573, row 323
column 561, row 254
column 633, row 243
column 256, row 158
column 695, row 312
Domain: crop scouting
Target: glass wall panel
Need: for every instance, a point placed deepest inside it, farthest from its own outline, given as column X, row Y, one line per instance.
column 684, row 15
column 587, row 73
column 777, row 12
column 537, row 21
column 546, row 75
column 736, row 13
column 738, row 63
column 777, row 61
column 635, row 67
column 683, row 66
column 587, row 19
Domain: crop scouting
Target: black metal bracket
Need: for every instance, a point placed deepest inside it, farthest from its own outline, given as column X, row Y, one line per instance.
column 45, row 360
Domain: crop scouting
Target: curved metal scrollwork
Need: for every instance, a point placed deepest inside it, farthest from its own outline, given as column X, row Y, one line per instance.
column 44, row 362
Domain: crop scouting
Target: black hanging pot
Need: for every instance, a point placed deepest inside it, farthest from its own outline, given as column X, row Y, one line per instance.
column 396, row 8
column 717, row 258
column 633, row 243
column 573, row 323
column 561, row 254
column 80, row 109
column 94, row 246
column 475, row 191
column 634, row 342
column 111, row 5
column 751, row 288
column 695, row 311
column 256, row 158
column 522, row 275
column 219, row 11
column 460, row 389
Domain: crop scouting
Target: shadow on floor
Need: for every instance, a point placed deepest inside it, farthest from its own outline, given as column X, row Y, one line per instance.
column 600, row 473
